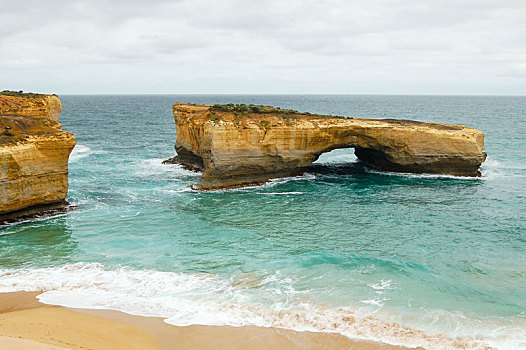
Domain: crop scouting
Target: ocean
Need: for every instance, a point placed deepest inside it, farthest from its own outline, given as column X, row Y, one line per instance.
column 433, row 261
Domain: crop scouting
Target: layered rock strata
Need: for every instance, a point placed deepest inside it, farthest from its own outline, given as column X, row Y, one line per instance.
column 34, row 153
column 242, row 145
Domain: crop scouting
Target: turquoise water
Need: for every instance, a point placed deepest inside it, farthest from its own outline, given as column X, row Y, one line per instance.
column 407, row 259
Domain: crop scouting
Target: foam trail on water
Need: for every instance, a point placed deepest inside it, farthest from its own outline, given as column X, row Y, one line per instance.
column 304, row 177
column 279, row 193
column 155, row 166
column 421, row 176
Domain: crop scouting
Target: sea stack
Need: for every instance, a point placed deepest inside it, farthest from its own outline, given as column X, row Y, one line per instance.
column 34, row 153
column 240, row 145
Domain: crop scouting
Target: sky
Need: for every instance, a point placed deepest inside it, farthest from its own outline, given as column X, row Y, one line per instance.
column 448, row 47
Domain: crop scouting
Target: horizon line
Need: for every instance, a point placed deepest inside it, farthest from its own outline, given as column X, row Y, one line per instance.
column 289, row 94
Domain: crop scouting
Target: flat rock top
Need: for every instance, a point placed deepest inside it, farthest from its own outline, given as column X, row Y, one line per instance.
column 35, row 105
column 270, row 116
column 20, row 128
column 10, row 100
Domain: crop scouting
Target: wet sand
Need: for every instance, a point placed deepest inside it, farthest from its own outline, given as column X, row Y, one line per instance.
column 26, row 323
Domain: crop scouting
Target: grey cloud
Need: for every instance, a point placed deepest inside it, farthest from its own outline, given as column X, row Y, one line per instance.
column 194, row 44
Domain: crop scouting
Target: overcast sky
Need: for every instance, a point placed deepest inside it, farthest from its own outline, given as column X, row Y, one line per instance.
column 288, row 46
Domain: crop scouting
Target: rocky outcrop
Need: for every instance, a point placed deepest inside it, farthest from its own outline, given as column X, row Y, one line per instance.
column 34, row 153
column 35, row 105
column 238, row 145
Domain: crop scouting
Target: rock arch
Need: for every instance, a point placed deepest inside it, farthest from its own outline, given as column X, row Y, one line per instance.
column 242, row 145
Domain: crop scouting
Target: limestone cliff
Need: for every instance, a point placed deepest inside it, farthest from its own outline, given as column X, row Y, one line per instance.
column 240, row 145
column 35, row 105
column 34, row 153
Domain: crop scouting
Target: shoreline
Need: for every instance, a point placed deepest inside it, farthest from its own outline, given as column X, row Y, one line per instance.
column 27, row 323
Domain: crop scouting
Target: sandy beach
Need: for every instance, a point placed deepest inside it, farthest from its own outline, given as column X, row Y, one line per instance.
column 25, row 323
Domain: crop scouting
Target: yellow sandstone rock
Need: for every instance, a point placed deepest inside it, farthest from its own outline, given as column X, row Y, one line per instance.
column 34, row 153
column 34, row 105
column 242, row 145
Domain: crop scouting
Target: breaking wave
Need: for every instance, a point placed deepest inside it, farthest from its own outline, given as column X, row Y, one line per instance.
column 198, row 298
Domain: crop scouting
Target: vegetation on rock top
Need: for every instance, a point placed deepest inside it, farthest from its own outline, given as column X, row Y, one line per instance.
column 258, row 109
column 243, row 110
column 214, row 117
column 20, row 94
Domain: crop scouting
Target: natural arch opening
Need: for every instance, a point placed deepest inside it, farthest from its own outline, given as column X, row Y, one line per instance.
column 350, row 158
column 335, row 157
column 337, row 162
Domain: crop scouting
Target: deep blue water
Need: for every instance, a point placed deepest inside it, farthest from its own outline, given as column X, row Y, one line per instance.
column 440, row 256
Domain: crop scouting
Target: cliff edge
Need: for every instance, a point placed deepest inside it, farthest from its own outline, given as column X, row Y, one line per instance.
column 239, row 145
column 34, row 153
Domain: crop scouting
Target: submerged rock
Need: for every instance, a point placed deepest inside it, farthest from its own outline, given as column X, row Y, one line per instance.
column 34, row 153
column 238, row 145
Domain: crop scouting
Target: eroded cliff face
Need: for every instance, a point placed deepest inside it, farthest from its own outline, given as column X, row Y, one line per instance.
column 34, row 153
column 241, row 146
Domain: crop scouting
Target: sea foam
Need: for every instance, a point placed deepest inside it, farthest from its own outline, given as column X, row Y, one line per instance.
column 197, row 298
column 80, row 151
column 155, row 166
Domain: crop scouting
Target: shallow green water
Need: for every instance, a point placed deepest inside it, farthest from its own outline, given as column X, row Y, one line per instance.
column 442, row 255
